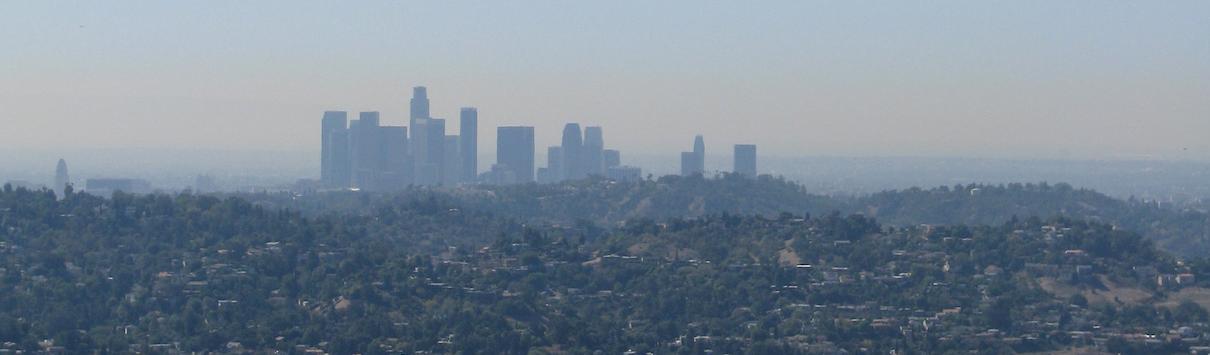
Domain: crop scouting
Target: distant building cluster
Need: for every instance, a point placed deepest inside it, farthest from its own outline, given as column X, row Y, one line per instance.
column 363, row 154
column 583, row 154
column 100, row 186
column 96, row 186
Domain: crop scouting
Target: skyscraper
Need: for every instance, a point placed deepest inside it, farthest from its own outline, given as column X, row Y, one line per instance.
column 452, row 161
column 428, row 153
column 419, row 103
column 612, row 158
column 340, row 157
column 419, row 111
column 395, row 170
column 366, row 142
column 594, row 146
column 333, row 124
column 469, row 143
column 515, row 152
column 367, row 155
column 699, row 151
column 369, row 119
column 554, row 166
column 573, row 144
column 61, row 178
column 687, row 163
column 436, row 143
column 422, row 170
column 694, row 162
column 745, row 160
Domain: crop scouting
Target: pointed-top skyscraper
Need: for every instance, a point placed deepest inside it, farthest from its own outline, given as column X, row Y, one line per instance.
column 573, row 143
column 61, row 177
column 699, row 152
column 694, row 162
column 699, row 146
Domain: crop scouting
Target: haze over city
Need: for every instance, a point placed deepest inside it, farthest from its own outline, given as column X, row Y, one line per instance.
column 1050, row 80
column 611, row 177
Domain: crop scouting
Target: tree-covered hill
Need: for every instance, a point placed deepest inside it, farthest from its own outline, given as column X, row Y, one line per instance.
column 1180, row 231
column 188, row 273
column 1184, row 232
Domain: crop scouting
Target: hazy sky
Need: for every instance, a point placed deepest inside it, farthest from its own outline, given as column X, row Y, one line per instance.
column 1102, row 79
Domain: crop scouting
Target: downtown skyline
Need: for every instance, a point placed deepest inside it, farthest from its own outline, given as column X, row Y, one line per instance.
column 1078, row 80
column 365, row 154
column 625, row 177
column 936, row 92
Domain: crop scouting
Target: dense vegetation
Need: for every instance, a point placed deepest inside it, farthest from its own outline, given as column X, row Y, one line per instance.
column 440, row 272
column 1181, row 231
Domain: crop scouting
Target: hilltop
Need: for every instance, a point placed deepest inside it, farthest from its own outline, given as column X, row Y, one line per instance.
column 1181, row 231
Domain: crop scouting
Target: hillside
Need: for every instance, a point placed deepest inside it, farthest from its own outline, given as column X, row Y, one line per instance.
column 199, row 273
column 1181, row 232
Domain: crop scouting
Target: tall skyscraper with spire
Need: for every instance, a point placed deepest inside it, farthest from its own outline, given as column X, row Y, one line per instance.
column 469, row 143
column 61, row 178
column 573, row 144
